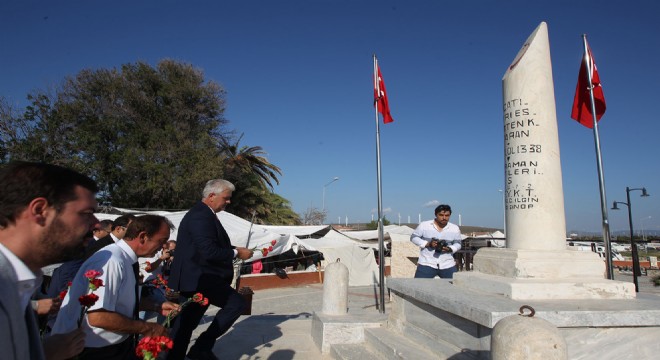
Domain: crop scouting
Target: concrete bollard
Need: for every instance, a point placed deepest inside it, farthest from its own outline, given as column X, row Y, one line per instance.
column 335, row 289
column 524, row 337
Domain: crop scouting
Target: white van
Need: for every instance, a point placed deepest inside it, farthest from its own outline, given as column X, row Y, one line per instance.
column 592, row 246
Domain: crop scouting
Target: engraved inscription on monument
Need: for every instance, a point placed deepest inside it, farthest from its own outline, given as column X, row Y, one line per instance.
column 522, row 154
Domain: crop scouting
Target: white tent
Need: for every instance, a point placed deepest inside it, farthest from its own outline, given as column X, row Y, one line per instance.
column 361, row 263
column 357, row 255
column 300, row 231
column 496, row 239
column 238, row 230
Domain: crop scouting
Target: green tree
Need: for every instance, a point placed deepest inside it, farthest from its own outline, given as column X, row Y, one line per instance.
column 149, row 136
column 250, row 171
column 280, row 211
column 373, row 225
column 241, row 160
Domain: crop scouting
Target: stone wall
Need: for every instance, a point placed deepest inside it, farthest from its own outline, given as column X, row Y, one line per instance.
column 404, row 256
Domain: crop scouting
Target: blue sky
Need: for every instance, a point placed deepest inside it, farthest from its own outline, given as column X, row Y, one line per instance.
column 299, row 82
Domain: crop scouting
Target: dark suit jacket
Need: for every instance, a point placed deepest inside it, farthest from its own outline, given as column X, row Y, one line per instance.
column 19, row 332
column 98, row 245
column 204, row 254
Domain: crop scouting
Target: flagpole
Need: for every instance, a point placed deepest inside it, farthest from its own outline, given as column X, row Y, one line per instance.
column 381, row 247
column 599, row 161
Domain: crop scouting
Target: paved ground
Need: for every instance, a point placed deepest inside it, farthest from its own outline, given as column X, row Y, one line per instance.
column 281, row 321
column 644, row 282
column 280, row 325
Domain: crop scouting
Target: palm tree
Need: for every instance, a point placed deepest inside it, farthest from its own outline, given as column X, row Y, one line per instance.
column 240, row 160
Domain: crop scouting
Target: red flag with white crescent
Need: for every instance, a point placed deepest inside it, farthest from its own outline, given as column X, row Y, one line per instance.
column 582, row 101
column 380, row 98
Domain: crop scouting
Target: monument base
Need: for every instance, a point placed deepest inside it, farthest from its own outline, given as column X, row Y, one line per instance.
column 542, row 275
column 343, row 329
column 430, row 311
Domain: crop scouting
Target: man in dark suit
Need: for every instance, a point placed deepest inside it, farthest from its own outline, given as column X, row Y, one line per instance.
column 119, row 227
column 102, row 229
column 45, row 213
column 204, row 263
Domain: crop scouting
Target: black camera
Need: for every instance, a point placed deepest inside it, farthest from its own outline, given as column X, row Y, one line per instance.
column 440, row 244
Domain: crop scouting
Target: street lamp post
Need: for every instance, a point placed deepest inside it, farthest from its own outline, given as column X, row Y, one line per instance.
column 633, row 247
column 325, row 186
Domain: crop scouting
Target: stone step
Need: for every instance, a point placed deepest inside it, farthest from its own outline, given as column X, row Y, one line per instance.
column 436, row 344
column 389, row 345
column 352, row 352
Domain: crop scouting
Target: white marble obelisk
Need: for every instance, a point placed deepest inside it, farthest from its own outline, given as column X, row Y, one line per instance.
column 536, row 264
column 534, row 197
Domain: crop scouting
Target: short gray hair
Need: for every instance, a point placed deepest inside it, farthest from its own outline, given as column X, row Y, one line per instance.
column 217, row 186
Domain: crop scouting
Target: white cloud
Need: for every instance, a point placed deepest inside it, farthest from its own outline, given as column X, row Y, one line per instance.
column 432, row 203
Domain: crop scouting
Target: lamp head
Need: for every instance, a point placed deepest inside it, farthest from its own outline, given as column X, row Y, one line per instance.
column 614, row 206
column 644, row 193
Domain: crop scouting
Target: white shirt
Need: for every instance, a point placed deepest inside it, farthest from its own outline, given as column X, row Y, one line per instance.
column 115, row 262
column 425, row 232
column 146, row 275
column 27, row 281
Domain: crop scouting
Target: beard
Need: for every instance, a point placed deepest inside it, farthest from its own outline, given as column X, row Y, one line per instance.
column 61, row 243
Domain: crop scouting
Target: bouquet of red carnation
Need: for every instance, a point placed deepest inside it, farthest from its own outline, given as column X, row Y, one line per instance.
column 265, row 248
column 160, row 281
column 197, row 298
column 149, row 347
column 89, row 298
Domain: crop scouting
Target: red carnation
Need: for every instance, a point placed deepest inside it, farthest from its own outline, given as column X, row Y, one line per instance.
column 62, row 294
column 95, row 284
column 149, row 347
column 88, row 300
column 92, row 274
column 273, row 242
column 196, row 298
column 270, row 248
column 200, row 299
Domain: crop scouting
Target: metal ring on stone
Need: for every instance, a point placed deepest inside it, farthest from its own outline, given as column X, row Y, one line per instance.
column 527, row 307
column 338, row 260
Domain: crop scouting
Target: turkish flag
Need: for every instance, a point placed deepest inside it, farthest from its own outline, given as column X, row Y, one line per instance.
column 582, row 102
column 380, row 98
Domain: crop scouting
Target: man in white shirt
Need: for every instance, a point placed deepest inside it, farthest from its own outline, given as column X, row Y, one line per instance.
column 45, row 213
column 110, row 323
column 438, row 239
